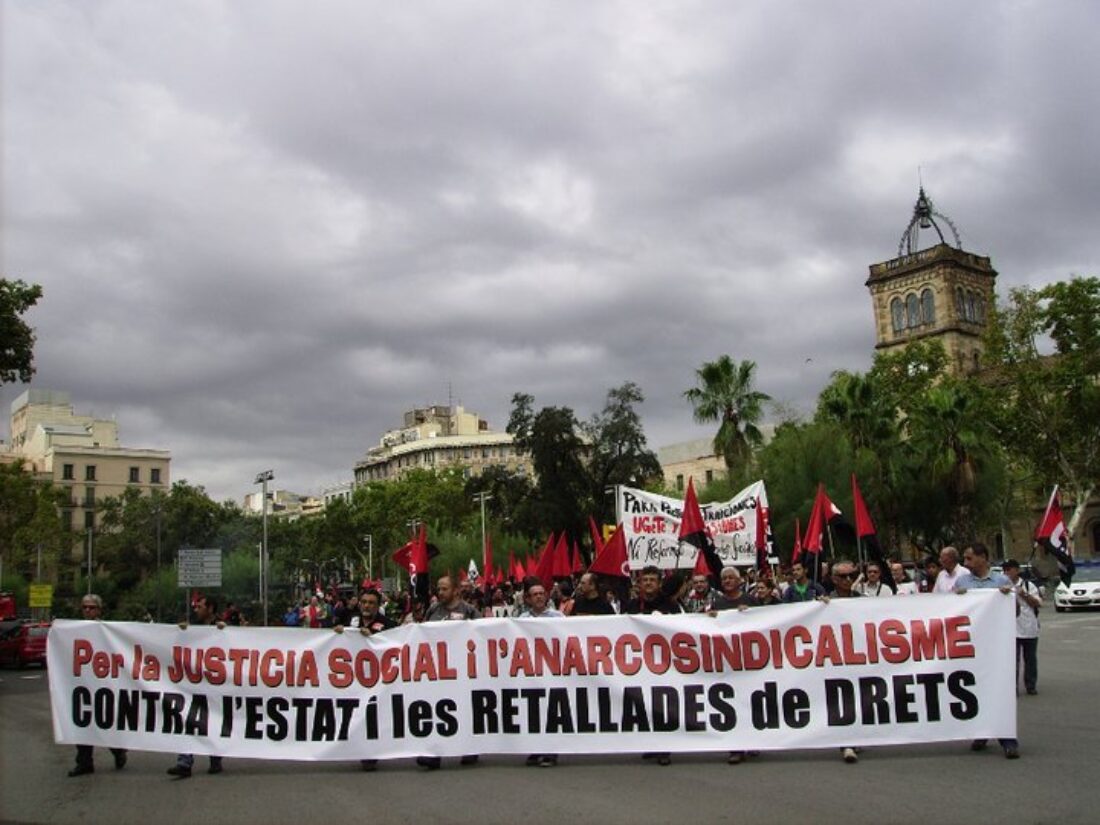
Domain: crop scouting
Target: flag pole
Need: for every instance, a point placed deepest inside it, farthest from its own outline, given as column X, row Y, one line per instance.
column 832, row 550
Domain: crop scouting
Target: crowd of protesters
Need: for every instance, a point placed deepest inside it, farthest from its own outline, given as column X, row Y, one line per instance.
column 650, row 591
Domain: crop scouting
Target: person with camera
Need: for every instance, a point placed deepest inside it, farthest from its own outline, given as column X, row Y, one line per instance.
column 1028, row 601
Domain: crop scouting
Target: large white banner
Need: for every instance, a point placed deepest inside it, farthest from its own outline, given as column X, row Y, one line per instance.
column 848, row 673
column 652, row 528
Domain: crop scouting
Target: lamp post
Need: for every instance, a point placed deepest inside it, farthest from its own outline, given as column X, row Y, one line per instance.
column 482, row 497
column 262, row 479
column 157, row 513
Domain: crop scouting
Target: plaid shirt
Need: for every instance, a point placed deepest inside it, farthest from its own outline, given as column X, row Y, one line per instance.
column 694, row 603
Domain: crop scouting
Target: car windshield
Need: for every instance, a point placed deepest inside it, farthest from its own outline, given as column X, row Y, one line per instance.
column 1089, row 575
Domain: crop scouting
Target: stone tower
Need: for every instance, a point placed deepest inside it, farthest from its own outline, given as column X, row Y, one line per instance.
column 941, row 292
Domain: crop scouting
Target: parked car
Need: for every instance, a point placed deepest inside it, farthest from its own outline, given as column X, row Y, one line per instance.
column 1084, row 592
column 23, row 643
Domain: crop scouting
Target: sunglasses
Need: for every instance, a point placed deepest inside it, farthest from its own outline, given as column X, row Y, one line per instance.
column 844, row 575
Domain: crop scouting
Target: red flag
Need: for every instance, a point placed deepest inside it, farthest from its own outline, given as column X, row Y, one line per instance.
column 700, row 568
column 512, row 566
column 403, row 555
column 576, row 567
column 487, row 559
column 865, row 530
column 562, row 565
column 597, row 540
column 693, row 531
column 462, row 574
column 864, row 525
column 544, row 568
column 797, row 543
column 612, row 560
column 815, row 527
column 1054, row 538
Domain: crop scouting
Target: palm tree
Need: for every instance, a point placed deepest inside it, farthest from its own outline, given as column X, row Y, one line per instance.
column 725, row 393
column 951, row 439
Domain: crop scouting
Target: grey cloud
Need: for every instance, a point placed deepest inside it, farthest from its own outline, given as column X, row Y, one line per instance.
column 265, row 230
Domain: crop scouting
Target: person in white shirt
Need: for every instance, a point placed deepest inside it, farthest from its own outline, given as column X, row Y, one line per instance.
column 901, row 581
column 1028, row 601
column 872, row 585
column 951, row 573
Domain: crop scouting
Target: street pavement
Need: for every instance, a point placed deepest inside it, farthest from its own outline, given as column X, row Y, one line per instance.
column 1055, row 781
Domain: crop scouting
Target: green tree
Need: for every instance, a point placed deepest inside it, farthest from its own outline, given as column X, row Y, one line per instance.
column 724, row 393
column 619, row 454
column 552, row 437
column 952, row 442
column 16, row 337
column 1049, row 411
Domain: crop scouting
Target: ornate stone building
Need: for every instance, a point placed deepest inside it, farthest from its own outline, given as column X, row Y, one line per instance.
column 942, row 292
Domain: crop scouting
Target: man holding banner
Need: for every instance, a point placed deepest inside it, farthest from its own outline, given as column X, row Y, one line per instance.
column 92, row 608
column 979, row 576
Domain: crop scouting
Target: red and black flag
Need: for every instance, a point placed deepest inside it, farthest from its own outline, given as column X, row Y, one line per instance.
column 693, row 531
column 1054, row 538
column 866, row 535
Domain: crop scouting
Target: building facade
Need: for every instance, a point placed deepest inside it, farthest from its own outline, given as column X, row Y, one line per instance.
column 81, row 455
column 438, row 437
column 942, row 292
column 690, row 461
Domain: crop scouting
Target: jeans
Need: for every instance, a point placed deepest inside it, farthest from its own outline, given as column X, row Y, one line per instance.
column 1028, row 651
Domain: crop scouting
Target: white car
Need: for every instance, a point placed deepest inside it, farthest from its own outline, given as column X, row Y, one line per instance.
column 1084, row 592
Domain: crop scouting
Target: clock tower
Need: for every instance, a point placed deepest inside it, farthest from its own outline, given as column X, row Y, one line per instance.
column 941, row 292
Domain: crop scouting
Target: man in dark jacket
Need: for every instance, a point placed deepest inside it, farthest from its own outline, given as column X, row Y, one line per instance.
column 91, row 607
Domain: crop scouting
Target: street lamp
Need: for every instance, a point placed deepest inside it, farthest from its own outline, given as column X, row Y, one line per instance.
column 369, row 539
column 482, row 497
column 262, row 479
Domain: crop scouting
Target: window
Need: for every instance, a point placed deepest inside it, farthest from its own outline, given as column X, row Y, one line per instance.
column 973, row 313
column 466, row 453
column 67, row 472
column 89, row 520
column 960, row 303
column 912, row 311
column 135, row 475
column 680, row 482
column 710, row 476
column 89, row 497
column 154, row 475
column 67, row 520
column 928, row 306
column 484, row 452
column 89, row 473
column 897, row 313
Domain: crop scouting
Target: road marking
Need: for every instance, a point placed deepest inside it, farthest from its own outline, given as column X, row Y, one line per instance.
column 32, row 676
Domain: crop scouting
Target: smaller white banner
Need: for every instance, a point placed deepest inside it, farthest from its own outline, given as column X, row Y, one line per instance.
column 652, row 528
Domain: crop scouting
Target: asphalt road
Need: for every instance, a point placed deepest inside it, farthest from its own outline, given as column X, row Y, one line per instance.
column 1055, row 781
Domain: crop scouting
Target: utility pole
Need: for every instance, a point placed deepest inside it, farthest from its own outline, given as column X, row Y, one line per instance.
column 262, row 479
column 482, row 497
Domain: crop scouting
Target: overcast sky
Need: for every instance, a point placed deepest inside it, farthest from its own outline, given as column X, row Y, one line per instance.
column 264, row 229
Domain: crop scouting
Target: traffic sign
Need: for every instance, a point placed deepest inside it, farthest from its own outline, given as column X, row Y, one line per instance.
column 40, row 595
column 200, row 567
